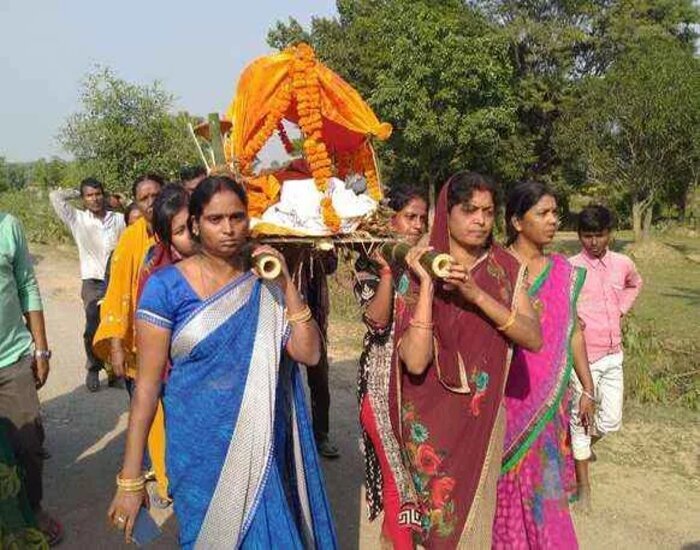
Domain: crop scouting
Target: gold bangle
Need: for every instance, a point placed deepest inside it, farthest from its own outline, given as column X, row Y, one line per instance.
column 301, row 321
column 420, row 324
column 135, row 485
column 510, row 322
column 301, row 316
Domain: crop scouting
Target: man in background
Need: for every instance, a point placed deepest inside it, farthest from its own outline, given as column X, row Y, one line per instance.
column 96, row 232
column 609, row 292
column 191, row 176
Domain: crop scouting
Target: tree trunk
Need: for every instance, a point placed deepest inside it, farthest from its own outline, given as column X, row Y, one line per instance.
column 637, row 219
column 646, row 223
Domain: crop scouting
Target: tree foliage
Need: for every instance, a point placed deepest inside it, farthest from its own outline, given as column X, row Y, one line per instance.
column 636, row 132
column 487, row 84
column 438, row 71
column 125, row 130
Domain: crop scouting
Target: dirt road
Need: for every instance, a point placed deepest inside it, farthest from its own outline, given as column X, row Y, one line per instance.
column 647, row 479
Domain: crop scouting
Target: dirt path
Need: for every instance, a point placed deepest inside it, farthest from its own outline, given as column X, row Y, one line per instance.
column 647, row 479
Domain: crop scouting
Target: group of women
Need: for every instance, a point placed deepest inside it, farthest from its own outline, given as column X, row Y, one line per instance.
column 463, row 382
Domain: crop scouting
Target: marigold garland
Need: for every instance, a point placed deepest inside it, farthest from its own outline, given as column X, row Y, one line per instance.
column 330, row 216
column 304, row 88
column 368, row 162
column 308, row 96
column 279, row 107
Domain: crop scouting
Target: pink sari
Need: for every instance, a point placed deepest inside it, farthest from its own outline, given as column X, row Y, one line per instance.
column 537, row 476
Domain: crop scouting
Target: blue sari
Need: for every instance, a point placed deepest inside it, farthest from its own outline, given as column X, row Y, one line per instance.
column 241, row 458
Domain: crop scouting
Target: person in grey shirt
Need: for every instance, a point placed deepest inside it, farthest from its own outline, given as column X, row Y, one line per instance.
column 96, row 231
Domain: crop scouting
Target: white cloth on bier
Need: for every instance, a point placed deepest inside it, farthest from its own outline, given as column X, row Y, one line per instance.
column 299, row 207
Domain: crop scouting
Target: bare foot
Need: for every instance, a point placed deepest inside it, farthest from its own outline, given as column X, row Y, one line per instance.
column 583, row 501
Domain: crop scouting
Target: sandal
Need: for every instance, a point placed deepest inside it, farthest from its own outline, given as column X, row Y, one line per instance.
column 92, row 381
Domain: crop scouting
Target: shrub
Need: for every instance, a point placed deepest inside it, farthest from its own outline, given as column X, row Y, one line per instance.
column 659, row 370
column 32, row 208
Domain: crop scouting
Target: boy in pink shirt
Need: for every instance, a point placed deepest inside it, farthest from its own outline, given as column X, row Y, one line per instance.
column 612, row 285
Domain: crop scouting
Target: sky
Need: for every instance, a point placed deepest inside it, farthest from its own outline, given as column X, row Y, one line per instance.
column 47, row 47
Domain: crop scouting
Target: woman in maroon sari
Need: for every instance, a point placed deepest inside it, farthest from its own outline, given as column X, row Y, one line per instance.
column 454, row 356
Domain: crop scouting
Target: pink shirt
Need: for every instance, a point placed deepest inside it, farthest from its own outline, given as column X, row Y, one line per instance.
column 611, row 287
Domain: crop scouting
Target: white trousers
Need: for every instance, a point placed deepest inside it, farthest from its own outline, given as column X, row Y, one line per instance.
column 609, row 389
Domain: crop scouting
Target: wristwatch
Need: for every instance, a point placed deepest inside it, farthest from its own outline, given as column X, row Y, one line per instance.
column 43, row 354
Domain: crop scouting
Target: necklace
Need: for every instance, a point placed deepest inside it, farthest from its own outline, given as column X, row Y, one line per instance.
column 205, row 290
column 211, row 276
column 540, row 263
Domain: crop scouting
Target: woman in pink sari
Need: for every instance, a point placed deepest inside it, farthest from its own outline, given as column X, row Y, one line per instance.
column 452, row 359
column 538, row 470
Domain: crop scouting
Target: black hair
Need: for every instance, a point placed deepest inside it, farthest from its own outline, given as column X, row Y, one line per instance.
column 205, row 191
column 400, row 195
column 128, row 210
column 523, row 196
column 595, row 218
column 191, row 172
column 169, row 202
column 464, row 184
column 148, row 177
column 92, row 183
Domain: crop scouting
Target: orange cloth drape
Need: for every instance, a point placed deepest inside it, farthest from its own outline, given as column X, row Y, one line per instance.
column 348, row 120
column 335, row 122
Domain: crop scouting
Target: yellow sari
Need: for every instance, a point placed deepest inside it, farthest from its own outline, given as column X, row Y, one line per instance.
column 117, row 321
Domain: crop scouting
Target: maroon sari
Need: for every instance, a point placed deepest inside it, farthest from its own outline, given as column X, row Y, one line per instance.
column 451, row 418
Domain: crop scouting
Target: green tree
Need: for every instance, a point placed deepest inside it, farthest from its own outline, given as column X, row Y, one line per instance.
column 557, row 43
column 125, row 130
column 636, row 132
column 438, row 71
column 49, row 174
column 18, row 174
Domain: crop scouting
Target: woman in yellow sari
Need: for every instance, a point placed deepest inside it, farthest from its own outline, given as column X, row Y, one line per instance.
column 114, row 341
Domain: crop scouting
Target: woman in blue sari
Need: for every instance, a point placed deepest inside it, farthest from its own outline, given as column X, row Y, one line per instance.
column 240, row 451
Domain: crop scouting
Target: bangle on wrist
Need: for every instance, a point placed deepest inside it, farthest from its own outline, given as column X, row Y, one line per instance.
column 385, row 271
column 302, row 316
column 420, row 324
column 588, row 394
column 135, row 485
column 509, row 322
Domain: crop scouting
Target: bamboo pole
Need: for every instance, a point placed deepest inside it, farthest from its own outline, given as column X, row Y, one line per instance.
column 438, row 265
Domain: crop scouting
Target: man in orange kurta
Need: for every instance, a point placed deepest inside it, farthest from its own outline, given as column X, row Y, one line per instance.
column 115, row 340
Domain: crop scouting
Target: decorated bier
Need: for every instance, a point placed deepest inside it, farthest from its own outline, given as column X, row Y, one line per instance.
column 329, row 194
column 334, row 185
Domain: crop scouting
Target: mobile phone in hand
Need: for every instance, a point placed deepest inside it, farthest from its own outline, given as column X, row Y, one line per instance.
column 145, row 530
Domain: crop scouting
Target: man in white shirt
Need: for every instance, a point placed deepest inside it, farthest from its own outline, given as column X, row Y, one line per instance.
column 96, row 231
